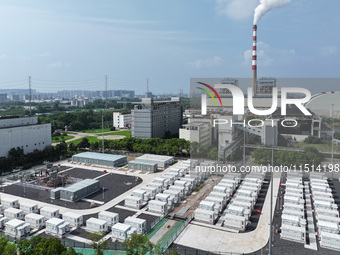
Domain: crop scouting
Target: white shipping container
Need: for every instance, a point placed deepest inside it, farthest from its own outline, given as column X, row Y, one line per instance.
column 235, row 221
column 3, row 220
column 8, row 202
column 158, row 206
column 291, row 206
column 75, row 220
column 158, row 186
column 35, row 220
column 57, row 227
column 96, row 225
column 27, row 207
column 17, row 228
column 13, row 213
column 330, row 227
column 326, row 212
column 205, row 215
column 163, row 181
column 141, row 194
column 178, row 188
column 122, row 231
column 152, row 191
column 174, row 194
column 133, row 202
column 137, row 223
column 329, row 240
column 49, row 212
column 111, row 217
column 293, row 233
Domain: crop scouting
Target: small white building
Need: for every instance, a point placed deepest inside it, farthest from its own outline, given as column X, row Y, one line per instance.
column 293, row 233
column 17, row 228
column 96, row 225
column 207, row 205
column 133, row 202
column 8, row 202
column 174, row 194
column 111, row 217
column 179, row 189
column 165, row 198
column 29, row 207
column 13, row 213
column 158, row 206
column 57, row 227
column 159, row 187
column 187, row 185
column 170, row 177
column 35, row 220
column 137, row 223
column 222, row 189
column 238, row 222
column 75, row 220
column 122, row 231
column 49, row 212
column 165, row 182
column 206, row 216
column 152, row 191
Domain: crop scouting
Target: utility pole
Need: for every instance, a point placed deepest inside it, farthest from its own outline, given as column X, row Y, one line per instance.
column 30, row 92
column 103, row 130
column 332, row 158
column 106, row 92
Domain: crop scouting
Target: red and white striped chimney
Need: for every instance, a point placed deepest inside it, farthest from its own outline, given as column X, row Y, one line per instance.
column 254, row 63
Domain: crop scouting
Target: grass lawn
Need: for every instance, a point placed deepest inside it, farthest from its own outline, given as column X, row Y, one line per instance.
column 98, row 130
column 65, row 138
column 92, row 139
column 321, row 147
column 126, row 133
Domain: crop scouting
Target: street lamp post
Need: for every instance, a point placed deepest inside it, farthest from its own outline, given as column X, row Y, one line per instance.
column 271, row 205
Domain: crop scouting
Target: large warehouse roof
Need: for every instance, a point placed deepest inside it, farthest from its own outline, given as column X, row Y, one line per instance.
column 100, row 156
column 80, row 185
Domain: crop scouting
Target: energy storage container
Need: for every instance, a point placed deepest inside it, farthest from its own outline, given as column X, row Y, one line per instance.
column 293, row 200
column 329, row 240
column 171, row 178
column 322, row 194
column 158, row 206
column 326, row 212
column 293, row 190
column 28, row 207
column 192, row 181
column 111, row 217
column 205, row 215
column 330, row 227
column 165, row 198
column 291, row 194
column 298, row 213
column 141, row 194
column 13, row 213
column 137, row 223
column 222, row 189
column 133, row 202
column 96, row 225
column 17, row 228
column 222, row 196
column 293, row 220
column 235, row 221
column 158, row 186
column 180, row 189
column 3, row 220
column 325, row 205
column 35, row 220
column 184, row 184
column 328, row 218
column 152, row 191
column 293, row 233
column 8, row 202
column 218, row 201
column 174, row 194
column 75, row 220
column 122, row 231
column 297, row 207
column 49, row 212
column 163, row 181
column 57, row 227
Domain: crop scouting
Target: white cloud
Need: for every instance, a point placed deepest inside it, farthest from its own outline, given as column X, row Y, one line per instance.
column 206, row 63
column 267, row 55
column 58, row 65
column 236, row 9
column 329, row 50
column 44, row 55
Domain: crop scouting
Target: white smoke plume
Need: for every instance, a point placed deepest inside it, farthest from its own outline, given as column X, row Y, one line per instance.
column 267, row 5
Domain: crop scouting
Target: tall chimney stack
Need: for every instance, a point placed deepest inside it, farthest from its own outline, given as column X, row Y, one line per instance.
column 254, row 63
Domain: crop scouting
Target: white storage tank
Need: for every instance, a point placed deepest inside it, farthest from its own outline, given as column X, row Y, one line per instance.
column 35, row 220
column 158, row 206
column 57, row 227
column 96, row 225
column 49, row 212
column 205, row 215
column 122, row 231
column 138, row 224
column 75, row 220
column 293, row 233
column 29, row 207
column 17, row 228
column 13, row 213
column 111, row 217
column 133, row 202
column 235, row 221
column 8, row 202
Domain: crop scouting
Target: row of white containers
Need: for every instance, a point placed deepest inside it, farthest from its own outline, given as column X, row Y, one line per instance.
column 241, row 205
column 166, row 191
column 326, row 212
column 293, row 215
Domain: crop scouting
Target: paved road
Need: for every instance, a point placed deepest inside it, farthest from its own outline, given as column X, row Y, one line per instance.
column 218, row 241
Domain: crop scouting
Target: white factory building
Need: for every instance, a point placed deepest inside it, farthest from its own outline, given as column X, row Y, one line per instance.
column 25, row 133
column 122, row 120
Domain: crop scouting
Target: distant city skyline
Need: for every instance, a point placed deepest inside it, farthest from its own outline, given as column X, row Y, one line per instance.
column 72, row 45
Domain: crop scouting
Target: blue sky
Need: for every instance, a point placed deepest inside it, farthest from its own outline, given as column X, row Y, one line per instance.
column 73, row 44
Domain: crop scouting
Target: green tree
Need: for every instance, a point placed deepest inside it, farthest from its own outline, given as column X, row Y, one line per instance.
column 10, row 249
column 97, row 242
column 172, row 252
column 138, row 244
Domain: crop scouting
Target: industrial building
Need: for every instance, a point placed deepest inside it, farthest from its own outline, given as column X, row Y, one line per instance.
column 102, row 159
column 122, row 120
column 160, row 160
column 143, row 166
column 76, row 191
column 197, row 132
column 25, row 133
column 152, row 119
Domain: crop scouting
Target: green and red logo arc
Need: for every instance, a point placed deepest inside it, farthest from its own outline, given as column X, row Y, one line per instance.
column 209, row 93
